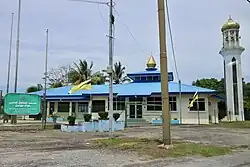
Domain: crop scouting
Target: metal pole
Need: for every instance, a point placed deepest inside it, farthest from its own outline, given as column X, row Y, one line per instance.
column 180, row 102
column 14, row 118
column 11, row 32
column 45, row 81
column 197, row 102
column 111, row 22
column 164, row 73
column 17, row 44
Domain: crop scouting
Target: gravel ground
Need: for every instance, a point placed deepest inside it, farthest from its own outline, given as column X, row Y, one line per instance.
column 54, row 148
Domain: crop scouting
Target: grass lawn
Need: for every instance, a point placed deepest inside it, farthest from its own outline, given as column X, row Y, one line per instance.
column 150, row 148
column 236, row 124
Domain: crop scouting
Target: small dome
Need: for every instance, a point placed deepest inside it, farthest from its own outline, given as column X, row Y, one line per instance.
column 151, row 62
column 230, row 24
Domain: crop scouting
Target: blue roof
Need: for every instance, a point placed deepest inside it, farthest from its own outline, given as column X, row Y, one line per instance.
column 128, row 89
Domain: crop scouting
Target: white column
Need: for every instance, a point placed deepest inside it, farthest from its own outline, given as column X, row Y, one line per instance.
column 90, row 106
column 240, row 90
column 76, row 107
column 48, row 108
column 70, row 108
column 56, row 107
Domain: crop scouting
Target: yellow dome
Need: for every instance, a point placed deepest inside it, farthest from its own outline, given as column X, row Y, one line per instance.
column 151, row 62
column 230, row 24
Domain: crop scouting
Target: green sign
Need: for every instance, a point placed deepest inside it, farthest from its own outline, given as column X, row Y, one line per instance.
column 21, row 104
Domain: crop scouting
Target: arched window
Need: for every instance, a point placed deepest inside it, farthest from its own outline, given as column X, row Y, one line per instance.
column 235, row 86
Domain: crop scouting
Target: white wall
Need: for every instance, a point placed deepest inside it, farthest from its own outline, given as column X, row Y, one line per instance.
column 188, row 117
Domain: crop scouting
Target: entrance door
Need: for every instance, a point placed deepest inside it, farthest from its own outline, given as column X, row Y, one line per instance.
column 132, row 109
column 138, row 111
column 135, row 111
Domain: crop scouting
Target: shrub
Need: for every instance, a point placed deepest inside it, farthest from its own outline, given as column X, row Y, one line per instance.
column 116, row 116
column 103, row 115
column 87, row 117
column 71, row 120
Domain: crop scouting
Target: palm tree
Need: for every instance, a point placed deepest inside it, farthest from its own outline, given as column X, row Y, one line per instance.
column 81, row 72
column 98, row 78
column 34, row 88
column 119, row 73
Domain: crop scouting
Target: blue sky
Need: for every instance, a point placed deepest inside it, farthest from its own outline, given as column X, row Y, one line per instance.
column 78, row 31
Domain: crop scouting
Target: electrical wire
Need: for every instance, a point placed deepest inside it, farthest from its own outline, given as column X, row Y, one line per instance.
column 171, row 40
column 129, row 31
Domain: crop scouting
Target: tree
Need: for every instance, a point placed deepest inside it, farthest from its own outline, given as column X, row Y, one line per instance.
column 213, row 83
column 59, row 76
column 34, row 88
column 98, row 78
column 81, row 72
column 119, row 73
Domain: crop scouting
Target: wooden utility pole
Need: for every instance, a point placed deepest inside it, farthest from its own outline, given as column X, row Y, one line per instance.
column 164, row 74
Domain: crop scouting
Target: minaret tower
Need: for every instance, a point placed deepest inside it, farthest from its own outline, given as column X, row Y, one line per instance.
column 231, row 52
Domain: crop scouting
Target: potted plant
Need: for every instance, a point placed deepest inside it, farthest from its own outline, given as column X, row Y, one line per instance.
column 103, row 115
column 116, row 116
column 87, row 117
column 71, row 120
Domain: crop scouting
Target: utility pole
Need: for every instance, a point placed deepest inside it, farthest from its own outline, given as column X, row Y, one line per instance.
column 164, row 73
column 44, row 115
column 111, row 4
column 110, row 68
column 11, row 32
column 14, row 118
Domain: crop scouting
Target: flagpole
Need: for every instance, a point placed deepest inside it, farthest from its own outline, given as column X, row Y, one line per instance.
column 198, row 110
column 10, row 54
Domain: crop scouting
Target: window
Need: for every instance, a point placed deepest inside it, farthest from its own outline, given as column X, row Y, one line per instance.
column 137, row 78
column 143, row 78
column 155, row 103
column 118, row 103
column 52, row 107
column 83, row 107
column 198, row 105
column 98, row 105
column 155, row 78
column 235, row 87
column 63, row 107
column 149, row 78
column 172, row 103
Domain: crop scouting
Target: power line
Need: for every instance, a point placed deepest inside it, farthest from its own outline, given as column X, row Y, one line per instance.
column 171, row 40
column 130, row 32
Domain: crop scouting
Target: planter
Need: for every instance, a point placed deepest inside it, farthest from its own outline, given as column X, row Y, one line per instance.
column 69, row 128
column 103, row 125
column 159, row 122
column 100, row 126
column 118, row 125
column 54, row 120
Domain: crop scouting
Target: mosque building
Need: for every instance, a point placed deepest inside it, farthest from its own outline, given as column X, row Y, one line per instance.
column 138, row 101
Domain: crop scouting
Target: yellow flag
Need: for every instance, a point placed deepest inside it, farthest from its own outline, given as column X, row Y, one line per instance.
column 82, row 86
column 195, row 97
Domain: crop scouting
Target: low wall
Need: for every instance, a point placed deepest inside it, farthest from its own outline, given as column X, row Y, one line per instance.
column 96, row 126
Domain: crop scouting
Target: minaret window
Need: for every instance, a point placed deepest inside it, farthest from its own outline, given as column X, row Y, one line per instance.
column 237, row 35
column 235, row 86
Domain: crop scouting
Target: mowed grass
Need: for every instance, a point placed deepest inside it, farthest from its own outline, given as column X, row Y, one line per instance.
column 150, row 148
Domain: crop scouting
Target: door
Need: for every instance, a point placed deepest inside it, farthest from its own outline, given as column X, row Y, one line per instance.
column 135, row 111
column 138, row 111
column 132, row 111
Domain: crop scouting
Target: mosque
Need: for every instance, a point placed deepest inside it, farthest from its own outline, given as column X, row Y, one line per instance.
column 140, row 100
